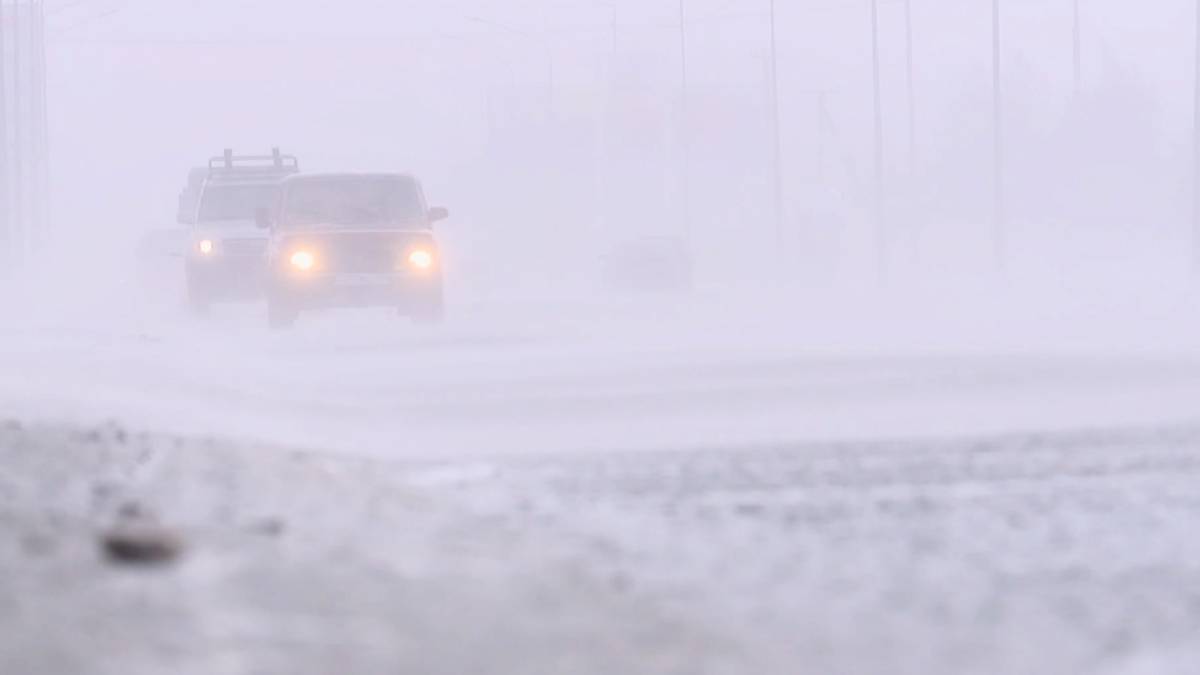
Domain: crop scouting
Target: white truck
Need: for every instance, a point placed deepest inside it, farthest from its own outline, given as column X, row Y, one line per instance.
column 225, row 256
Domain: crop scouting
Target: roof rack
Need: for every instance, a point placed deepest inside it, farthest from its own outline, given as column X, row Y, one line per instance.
column 274, row 164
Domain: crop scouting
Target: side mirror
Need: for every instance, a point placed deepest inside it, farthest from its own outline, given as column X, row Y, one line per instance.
column 438, row 213
column 263, row 218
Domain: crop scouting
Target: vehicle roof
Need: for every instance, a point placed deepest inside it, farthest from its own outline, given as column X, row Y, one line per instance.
column 243, row 180
column 345, row 175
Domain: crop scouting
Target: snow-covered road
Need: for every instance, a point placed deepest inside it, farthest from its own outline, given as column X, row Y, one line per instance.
column 1047, row 554
column 555, row 375
column 726, row 484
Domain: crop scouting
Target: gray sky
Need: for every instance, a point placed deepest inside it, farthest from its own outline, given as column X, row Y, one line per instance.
column 142, row 89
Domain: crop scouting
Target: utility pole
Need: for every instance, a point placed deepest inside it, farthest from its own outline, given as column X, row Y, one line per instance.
column 545, row 43
column 1078, row 50
column 912, row 101
column 821, row 115
column 36, row 205
column 551, row 81
column 776, row 145
column 43, row 116
column 1196, row 154
column 998, row 215
column 18, row 140
column 685, row 134
column 613, row 7
column 603, row 173
column 7, row 240
column 881, row 234
column 24, row 135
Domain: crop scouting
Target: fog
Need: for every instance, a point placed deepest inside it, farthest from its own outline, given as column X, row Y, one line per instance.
column 560, row 134
column 557, row 132
column 684, row 275
column 554, row 133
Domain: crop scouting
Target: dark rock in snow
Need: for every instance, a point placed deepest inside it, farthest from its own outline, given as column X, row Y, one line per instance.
column 143, row 545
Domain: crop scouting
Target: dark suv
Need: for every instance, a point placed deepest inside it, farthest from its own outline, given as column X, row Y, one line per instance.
column 352, row 240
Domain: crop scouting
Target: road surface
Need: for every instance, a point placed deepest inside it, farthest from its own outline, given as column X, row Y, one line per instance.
column 1033, row 554
column 614, row 486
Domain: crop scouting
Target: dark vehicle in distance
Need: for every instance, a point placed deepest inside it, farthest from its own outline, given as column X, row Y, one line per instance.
column 649, row 264
column 352, row 240
column 225, row 255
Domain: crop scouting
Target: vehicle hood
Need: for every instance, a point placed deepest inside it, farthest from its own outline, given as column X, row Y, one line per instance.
column 236, row 229
column 345, row 237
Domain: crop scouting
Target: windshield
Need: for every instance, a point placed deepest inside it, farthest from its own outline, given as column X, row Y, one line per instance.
column 353, row 202
column 231, row 203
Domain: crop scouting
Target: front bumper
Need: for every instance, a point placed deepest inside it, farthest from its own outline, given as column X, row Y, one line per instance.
column 404, row 290
column 221, row 277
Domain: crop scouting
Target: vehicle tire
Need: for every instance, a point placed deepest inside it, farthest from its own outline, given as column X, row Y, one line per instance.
column 429, row 310
column 281, row 314
column 428, row 316
column 198, row 300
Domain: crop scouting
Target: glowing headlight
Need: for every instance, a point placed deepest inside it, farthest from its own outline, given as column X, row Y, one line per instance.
column 205, row 246
column 302, row 260
column 420, row 259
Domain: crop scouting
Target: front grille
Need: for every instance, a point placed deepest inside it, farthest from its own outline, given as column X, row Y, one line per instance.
column 361, row 255
column 244, row 247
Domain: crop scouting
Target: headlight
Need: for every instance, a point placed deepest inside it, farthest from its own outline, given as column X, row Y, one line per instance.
column 302, row 260
column 205, row 246
column 420, row 259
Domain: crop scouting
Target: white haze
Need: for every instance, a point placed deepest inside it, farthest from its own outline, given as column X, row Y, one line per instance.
column 551, row 141
column 149, row 91
column 810, row 462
